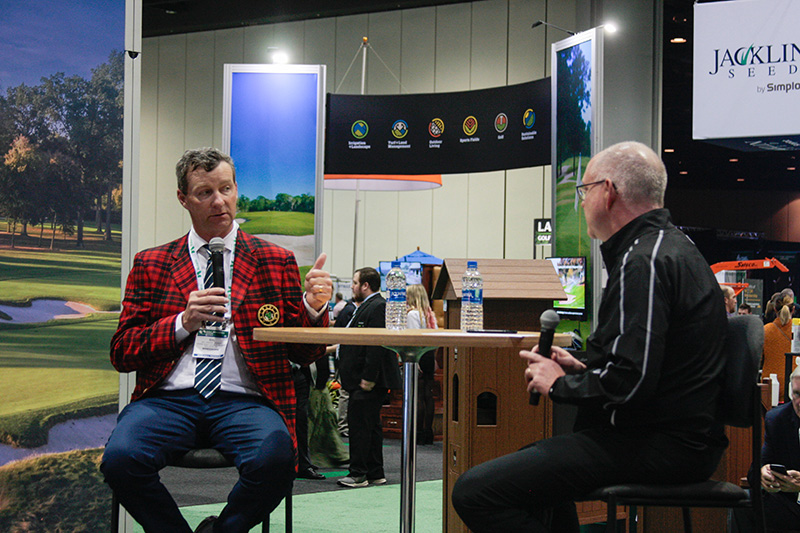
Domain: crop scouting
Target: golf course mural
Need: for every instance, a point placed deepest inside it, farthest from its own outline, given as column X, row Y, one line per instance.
column 61, row 105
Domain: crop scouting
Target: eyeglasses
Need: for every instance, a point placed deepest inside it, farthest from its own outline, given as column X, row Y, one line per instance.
column 581, row 189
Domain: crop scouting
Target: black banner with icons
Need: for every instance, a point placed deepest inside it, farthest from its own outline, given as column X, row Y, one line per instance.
column 439, row 133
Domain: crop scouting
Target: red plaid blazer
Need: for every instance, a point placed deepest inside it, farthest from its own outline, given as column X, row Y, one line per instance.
column 158, row 288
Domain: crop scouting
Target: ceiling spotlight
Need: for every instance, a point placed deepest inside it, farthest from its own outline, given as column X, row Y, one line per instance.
column 669, row 150
column 610, row 27
column 739, row 179
column 791, row 168
column 683, row 172
column 733, row 160
column 280, row 58
column 677, row 40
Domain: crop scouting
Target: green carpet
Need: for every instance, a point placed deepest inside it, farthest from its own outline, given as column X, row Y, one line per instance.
column 368, row 509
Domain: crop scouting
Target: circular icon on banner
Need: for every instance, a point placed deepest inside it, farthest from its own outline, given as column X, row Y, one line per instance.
column 500, row 122
column 268, row 315
column 529, row 118
column 359, row 129
column 470, row 125
column 436, row 127
column 399, row 129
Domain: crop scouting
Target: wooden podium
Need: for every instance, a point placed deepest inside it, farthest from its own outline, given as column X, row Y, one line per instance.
column 486, row 412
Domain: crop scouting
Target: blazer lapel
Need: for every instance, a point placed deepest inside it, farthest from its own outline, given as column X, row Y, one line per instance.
column 362, row 309
column 182, row 269
column 244, row 269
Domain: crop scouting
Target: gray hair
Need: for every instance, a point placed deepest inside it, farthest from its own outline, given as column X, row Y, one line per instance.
column 205, row 158
column 636, row 170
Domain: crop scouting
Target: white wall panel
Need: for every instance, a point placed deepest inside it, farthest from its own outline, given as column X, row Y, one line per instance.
column 526, row 197
column 199, row 103
column 526, row 60
column 450, row 208
column 320, row 47
column 489, row 45
column 486, row 215
column 418, row 47
column 167, row 211
column 453, row 47
column 289, row 38
column 148, row 145
column 383, row 60
column 257, row 43
column 349, row 32
column 228, row 48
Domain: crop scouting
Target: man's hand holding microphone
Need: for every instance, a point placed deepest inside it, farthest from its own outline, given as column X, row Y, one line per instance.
column 547, row 363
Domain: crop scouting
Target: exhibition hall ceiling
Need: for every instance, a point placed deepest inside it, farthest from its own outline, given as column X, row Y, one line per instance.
column 691, row 164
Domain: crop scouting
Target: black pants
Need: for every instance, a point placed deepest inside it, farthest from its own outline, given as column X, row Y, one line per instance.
column 532, row 490
column 366, row 432
column 302, row 388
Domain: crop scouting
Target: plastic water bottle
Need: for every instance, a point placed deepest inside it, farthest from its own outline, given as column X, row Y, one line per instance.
column 396, row 309
column 471, row 298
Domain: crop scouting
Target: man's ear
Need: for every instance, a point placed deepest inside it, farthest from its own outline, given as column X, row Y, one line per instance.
column 181, row 198
column 611, row 194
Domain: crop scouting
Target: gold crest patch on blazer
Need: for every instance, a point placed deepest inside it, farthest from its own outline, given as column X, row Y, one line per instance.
column 268, row 315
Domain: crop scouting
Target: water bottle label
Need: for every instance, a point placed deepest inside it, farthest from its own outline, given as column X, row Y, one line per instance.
column 474, row 296
column 397, row 295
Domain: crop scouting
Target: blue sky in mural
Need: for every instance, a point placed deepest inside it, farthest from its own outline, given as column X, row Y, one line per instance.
column 273, row 133
column 42, row 37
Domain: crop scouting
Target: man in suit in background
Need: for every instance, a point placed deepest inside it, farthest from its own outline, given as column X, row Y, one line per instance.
column 201, row 378
column 781, row 446
column 367, row 373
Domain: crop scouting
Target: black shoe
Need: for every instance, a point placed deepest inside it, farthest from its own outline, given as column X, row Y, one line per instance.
column 207, row 525
column 309, row 473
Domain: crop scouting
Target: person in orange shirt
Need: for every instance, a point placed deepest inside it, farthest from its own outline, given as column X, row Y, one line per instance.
column 778, row 340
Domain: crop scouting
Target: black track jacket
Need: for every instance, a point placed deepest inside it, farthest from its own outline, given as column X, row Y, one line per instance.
column 655, row 356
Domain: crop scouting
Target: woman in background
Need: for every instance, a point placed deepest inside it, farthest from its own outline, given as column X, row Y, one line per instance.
column 420, row 316
column 778, row 340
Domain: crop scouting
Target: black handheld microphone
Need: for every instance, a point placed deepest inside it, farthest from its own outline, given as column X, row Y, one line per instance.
column 216, row 246
column 548, row 323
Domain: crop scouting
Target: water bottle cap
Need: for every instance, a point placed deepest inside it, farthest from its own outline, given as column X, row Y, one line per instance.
column 395, row 264
column 472, row 264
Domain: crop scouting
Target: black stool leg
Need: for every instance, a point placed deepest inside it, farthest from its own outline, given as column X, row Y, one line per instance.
column 288, row 505
column 114, row 513
column 687, row 520
column 611, row 514
column 632, row 517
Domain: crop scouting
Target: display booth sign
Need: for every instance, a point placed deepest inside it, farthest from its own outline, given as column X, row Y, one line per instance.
column 746, row 91
column 273, row 125
column 439, row 133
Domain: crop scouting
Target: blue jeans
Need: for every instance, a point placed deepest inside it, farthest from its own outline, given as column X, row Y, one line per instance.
column 153, row 432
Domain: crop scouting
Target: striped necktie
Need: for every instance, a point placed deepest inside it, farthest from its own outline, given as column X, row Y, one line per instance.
column 208, row 372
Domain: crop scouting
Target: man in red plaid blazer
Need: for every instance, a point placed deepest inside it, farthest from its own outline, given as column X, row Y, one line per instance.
column 170, row 326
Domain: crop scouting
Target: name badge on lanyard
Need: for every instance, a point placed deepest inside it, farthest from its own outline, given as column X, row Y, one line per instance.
column 211, row 343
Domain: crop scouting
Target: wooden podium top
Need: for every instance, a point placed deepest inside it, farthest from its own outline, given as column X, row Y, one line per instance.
column 405, row 337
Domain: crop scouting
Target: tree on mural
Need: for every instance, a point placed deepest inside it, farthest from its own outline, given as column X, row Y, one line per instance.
column 574, row 97
column 62, row 142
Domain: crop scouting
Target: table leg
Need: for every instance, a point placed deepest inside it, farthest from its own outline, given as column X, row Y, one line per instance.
column 408, row 448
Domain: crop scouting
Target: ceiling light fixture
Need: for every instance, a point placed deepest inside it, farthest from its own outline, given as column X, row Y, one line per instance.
column 669, row 150
column 678, row 40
